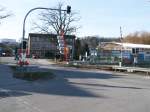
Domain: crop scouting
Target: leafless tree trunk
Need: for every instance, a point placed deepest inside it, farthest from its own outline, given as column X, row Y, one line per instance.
column 57, row 21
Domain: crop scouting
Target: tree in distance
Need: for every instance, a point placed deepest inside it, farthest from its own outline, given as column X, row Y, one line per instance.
column 138, row 38
column 54, row 21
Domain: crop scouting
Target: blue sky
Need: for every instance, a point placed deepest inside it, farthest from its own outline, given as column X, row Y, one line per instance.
column 98, row 17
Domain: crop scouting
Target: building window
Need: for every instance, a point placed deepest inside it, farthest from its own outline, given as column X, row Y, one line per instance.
column 147, row 52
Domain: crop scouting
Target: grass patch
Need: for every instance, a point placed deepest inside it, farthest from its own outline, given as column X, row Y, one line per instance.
column 31, row 76
column 14, row 68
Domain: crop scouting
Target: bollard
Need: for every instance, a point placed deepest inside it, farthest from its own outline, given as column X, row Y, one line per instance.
column 120, row 64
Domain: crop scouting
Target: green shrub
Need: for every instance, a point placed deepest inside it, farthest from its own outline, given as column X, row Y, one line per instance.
column 27, row 75
column 33, row 75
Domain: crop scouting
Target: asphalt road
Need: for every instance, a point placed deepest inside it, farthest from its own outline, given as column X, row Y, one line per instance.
column 74, row 90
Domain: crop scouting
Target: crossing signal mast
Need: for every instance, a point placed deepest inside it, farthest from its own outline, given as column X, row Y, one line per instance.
column 24, row 44
column 68, row 9
column 23, row 47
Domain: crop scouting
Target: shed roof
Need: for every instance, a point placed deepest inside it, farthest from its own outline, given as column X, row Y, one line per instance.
column 130, row 45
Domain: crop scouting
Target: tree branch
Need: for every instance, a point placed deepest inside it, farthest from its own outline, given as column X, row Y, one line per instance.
column 57, row 21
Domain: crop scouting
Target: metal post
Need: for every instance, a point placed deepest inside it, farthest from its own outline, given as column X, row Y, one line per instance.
column 73, row 43
column 121, row 40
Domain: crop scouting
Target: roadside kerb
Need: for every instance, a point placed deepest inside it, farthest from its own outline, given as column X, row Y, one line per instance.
column 131, row 69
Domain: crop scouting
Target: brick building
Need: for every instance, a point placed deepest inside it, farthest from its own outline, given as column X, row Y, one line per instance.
column 42, row 44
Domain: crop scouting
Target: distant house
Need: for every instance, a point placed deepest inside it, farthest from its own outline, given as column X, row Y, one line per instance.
column 8, row 41
column 128, row 50
column 44, row 44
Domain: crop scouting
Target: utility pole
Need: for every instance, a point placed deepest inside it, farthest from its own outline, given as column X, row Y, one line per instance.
column 121, row 54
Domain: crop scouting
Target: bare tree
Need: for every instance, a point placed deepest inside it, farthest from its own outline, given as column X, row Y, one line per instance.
column 57, row 21
column 138, row 37
column 4, row 14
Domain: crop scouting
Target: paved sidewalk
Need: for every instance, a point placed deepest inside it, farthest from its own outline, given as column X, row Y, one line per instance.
column 10, row 99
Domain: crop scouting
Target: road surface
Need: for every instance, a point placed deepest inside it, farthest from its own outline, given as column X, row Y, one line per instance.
column 74, row 90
